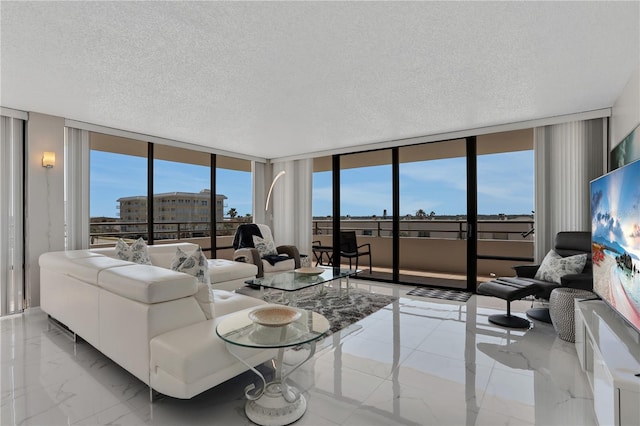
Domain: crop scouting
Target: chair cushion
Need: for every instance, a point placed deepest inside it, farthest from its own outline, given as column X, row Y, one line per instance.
column 282, row 266
column 554, row 266
column 265, row 246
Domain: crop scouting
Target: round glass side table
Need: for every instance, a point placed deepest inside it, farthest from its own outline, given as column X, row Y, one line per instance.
column 276, row 403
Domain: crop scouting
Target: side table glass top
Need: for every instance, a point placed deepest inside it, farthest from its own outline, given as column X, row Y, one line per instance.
column 292, row 281
column 238, row 329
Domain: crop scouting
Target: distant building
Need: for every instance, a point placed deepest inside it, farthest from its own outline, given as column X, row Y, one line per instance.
column 189, row 209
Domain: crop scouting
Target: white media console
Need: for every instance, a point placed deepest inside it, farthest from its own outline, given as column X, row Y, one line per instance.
column 609, row 352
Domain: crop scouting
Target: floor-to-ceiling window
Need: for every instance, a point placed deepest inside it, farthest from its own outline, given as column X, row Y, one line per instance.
column 366, row 206
column 118, row 189
column 233, row 200
column 433, row 213
column 505, row 202
column 463, row 213
column 185, row 202
column 181, row 195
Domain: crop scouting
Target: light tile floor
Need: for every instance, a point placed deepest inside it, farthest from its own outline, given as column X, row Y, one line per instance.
column 417, row 362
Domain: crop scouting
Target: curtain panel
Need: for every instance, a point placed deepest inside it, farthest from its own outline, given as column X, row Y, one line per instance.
column 567, row 157
column 11, row 215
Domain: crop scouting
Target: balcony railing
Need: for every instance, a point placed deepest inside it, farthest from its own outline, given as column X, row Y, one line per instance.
column 426, row 245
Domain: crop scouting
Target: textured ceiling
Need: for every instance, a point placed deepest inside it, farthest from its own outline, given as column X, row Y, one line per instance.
column 275, row 79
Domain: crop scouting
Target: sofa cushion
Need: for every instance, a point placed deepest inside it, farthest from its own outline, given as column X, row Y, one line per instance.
column 221, row 270
column 554, row 266
column 89, row 268
column 136, row 252
column 195, row 351
column 81, row 264
column 229, row 301
column 163, row 254
column 195, row 264
column 147, row 283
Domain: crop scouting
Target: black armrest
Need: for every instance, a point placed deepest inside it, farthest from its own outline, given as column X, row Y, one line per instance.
column 292, row 252
column 579, row 281
column 526, row 271
column 365, row 244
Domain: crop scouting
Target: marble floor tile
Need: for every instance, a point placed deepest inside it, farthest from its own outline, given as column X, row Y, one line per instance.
column 417, row 361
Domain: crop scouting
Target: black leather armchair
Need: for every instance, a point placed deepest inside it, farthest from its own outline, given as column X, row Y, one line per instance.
column 566, row 244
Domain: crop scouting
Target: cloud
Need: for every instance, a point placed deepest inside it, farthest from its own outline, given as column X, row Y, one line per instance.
column 596, row 198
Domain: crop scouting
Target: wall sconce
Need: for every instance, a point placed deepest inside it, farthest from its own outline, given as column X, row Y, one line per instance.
column 48, row 159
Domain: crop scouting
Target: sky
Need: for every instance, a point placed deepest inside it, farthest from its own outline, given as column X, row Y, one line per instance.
column 505, row 185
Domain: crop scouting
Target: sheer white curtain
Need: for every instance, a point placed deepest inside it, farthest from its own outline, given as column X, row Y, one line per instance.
column 567, row 157
column 76, row 188
column 291, row 204
column 11, row 215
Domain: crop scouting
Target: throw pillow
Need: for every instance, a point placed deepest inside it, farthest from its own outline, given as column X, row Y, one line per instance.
column 266, row 247
column 554, row 266
column 136, row 253
column 196, row 264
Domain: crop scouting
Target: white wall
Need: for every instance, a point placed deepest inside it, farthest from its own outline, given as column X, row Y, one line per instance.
column 44, row 197
column 625, row 114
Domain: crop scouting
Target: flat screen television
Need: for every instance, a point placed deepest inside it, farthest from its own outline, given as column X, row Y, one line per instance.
column 615, row 240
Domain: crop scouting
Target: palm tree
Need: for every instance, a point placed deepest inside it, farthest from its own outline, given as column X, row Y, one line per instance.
column 421, row 213
column 232, row 212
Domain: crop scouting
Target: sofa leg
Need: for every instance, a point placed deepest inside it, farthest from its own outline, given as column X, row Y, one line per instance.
column 60, row 326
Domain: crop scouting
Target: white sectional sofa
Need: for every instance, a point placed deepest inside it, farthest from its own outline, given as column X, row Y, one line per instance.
column 145, row 317
column 224, row 274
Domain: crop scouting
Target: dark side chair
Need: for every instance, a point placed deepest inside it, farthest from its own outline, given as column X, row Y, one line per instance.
column 350, row 249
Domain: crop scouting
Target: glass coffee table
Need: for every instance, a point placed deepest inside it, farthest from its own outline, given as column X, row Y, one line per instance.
column 291, row 282
column 276, row 403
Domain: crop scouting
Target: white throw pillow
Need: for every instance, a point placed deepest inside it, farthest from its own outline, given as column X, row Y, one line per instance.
column 554, row 266
column 195, row 264
column 265, row 247
column 136, row 253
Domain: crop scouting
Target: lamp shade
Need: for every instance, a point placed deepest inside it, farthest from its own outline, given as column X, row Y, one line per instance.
column 48, row 159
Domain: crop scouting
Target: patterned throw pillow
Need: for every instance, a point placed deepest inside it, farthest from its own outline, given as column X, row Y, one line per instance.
column 554, row 266
column 136, row 253
column 196, row 265
column 265, row 247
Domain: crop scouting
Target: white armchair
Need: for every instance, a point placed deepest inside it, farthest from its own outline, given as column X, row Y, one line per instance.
column 253, row 243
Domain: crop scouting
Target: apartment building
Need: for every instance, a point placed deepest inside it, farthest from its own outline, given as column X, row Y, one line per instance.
column 187, row 211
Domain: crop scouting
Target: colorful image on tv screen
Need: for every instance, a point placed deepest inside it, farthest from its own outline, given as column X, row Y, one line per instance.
column 615, row 227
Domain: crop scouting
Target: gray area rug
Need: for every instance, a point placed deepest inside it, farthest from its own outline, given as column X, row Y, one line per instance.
column 438, row 293
column 341, row 310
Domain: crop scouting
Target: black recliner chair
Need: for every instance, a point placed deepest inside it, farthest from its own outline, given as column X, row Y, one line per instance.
column 524, row 284
column 567, row 244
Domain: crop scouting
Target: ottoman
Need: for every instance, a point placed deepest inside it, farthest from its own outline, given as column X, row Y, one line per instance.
column 562, row 310
column 509, row 289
